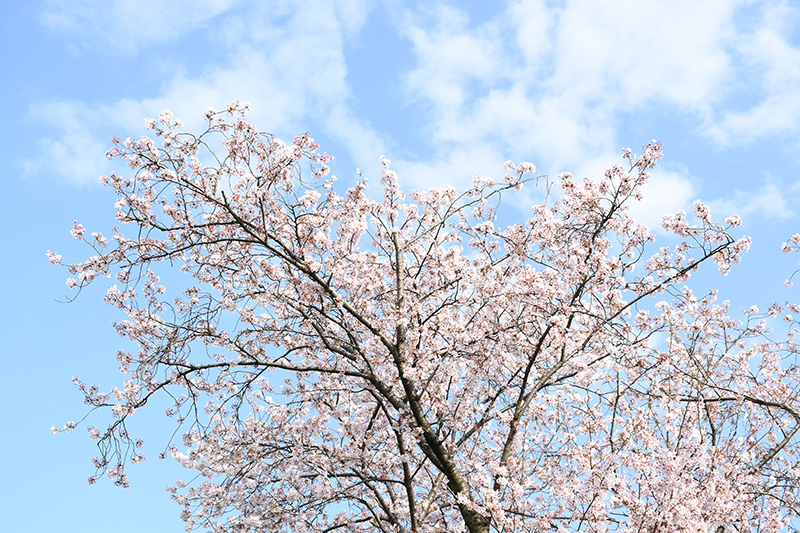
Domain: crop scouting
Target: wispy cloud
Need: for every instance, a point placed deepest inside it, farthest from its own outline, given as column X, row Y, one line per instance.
column 76, row 155
column 558, row 86
column 555, row 84
column 127, row 25
column 294, row 77
column 562, row 81
column 769, row 68
column 768, row 201
column 450, row 56
column 667, row 192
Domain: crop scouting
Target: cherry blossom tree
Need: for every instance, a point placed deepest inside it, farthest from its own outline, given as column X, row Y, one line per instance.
column 362, row 362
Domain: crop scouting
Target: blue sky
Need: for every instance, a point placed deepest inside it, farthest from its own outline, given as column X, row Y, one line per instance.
column 445, row 90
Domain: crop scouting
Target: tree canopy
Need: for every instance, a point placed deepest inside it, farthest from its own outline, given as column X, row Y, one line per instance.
column 349, row 361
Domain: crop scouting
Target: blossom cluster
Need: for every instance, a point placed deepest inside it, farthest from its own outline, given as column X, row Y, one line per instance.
column 347, row 361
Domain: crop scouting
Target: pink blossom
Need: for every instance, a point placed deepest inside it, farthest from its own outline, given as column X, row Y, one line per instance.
column 342, row 360
column 701, row 211
column 733, row 221
column 165, row 117
column 77, row 230
column 53, row 257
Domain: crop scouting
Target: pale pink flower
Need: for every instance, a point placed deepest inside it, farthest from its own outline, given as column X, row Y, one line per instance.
column 77, row 230
column 53, row 257
column 733, row 221
column 165, row 117
column 319, row 345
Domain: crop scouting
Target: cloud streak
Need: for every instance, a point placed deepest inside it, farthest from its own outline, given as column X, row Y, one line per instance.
column 128, row 25
column 564, row 81
column 557, row 84
column 294, row 77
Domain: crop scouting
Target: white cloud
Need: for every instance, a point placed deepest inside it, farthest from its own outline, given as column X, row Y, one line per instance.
column 363, row 143
column 626, row 54
column 454, row 168
column 667, row 192
column 129, row 24
column 77, row 155
column 533, row 24
column 450, row 56
column 352, row 15
column 769, row 201
column 292, row 70
column 555, row 91
column 555, row 84
column 549, row 83
column 773, row 62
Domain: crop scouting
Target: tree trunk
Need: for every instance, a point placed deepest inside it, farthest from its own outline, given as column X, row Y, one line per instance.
column 476, row 523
